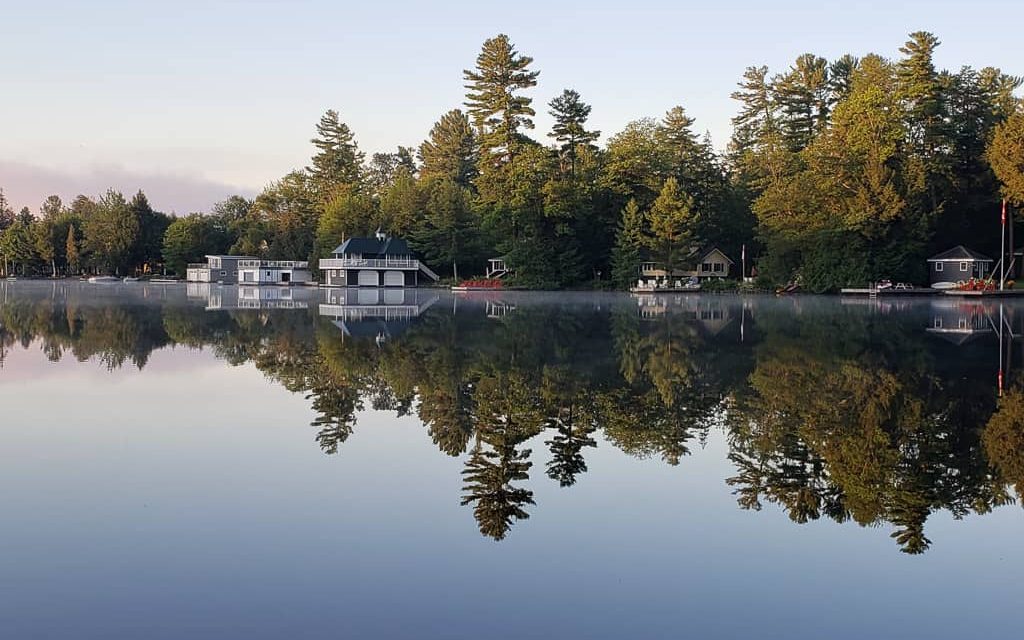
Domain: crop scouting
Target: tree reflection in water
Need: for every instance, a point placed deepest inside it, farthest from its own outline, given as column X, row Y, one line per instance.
column 846, row 412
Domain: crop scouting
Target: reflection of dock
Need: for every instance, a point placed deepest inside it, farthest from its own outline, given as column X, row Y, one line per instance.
column 375, row 312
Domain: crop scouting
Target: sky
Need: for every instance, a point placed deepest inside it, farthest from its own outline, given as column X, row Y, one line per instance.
column 195, row 101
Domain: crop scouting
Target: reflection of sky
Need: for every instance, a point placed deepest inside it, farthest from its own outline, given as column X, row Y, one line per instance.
column 162, row 505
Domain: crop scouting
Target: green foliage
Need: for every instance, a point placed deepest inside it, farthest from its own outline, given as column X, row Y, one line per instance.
column 338, row 161
column 1006, row 155
column 110, row 232
column 671, row 221
column 450, row 151
column 629, row 242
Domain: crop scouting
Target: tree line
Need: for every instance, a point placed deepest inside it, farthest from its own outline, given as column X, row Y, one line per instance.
column 837, row 172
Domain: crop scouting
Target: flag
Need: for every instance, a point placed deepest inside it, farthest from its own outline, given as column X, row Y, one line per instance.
column 1004, row 211
column 743, row 253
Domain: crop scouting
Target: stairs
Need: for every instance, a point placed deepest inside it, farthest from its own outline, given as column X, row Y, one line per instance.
column 429, row 272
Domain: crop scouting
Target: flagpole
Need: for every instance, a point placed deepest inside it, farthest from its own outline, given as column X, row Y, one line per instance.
column 1002, row 248
column 743, row 267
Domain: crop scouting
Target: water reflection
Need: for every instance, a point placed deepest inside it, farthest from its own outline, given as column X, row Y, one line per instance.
column 875, row 412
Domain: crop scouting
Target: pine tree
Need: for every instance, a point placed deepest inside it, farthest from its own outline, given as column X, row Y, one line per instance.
column 71, row 251
column 671, row 226
column 447, row 233
column 570, row 114
column 803, row 95
column 6, row 213
column 338, row 161
column 450, row 152
column 629, row 242
column 498, row 111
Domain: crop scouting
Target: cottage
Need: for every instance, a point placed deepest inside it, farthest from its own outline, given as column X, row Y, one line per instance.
column 373, row 262
column 956, row 265
column 707, row 262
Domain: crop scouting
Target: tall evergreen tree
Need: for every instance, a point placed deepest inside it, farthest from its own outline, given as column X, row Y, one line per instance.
column 672, row 222
column 71, row 251
column 450, row 151
column 570, row 114
column 803, row 95
column 629, row 242
column 338, row 161
column 498, row 110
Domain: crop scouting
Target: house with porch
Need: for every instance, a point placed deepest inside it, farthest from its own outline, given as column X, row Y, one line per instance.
column 380, row 261
column 702, row 263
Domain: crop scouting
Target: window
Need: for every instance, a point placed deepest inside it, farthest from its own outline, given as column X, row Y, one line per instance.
column 961, row 323
column 234, row 273
column 646, row 266
column 223, row 273
column 268, row 274
column 964, row 266
column 718, row 267
column 938, row 266
column 937, row 323
column 705, row 267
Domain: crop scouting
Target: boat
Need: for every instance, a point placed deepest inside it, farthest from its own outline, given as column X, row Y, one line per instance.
column 11, row 279
column 692, row 285
column 130, row 279
column 944, row 285
column 104, row 279
column 164, row 281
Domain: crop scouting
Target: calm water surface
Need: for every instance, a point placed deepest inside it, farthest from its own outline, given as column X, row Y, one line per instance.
column 220, row 462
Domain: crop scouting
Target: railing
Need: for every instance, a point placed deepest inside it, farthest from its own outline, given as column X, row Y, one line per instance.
column 386, row 263
column 198, row 265
column 272, row 264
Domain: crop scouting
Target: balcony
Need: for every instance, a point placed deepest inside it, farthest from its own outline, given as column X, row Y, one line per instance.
column 272, row 264
column 370, row 263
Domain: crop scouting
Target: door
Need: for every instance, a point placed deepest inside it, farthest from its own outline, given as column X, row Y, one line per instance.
column 369, row 279
column 286, row 276
column 394, row 279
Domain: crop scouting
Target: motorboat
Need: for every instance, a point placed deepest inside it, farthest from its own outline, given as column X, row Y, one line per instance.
column 104, row 279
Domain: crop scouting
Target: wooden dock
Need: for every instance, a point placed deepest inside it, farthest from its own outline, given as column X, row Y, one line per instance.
column 994, row 293
column 892, row 291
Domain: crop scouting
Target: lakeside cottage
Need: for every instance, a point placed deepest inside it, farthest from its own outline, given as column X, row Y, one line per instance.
column 956, row 265
column 702, row 263
column 248, row 270
column 380, row 261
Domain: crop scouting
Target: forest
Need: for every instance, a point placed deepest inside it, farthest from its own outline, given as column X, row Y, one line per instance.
column 837, row 172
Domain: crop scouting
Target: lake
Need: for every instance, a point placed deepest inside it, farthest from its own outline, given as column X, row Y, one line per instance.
column 197, row 461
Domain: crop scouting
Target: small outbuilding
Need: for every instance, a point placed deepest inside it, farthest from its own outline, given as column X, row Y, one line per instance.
column 958, row 264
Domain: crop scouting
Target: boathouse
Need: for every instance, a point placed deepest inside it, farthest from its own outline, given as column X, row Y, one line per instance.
column 373, row 262
column 222, row 269
column 248, row 270
column 956, row 265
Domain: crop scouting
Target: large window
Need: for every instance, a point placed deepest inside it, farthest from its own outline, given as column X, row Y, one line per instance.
column 705, row 267
column 718, row 267
column 938, row 266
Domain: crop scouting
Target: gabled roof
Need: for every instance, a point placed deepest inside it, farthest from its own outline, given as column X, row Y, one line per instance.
column 960, row 253
column 373, row 246
column 702, row 252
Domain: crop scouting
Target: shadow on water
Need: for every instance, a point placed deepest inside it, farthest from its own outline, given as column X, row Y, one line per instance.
column 880, row 412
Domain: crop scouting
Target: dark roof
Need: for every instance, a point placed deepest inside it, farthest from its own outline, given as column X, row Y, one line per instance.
column 960, row 252
column 373, row 246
